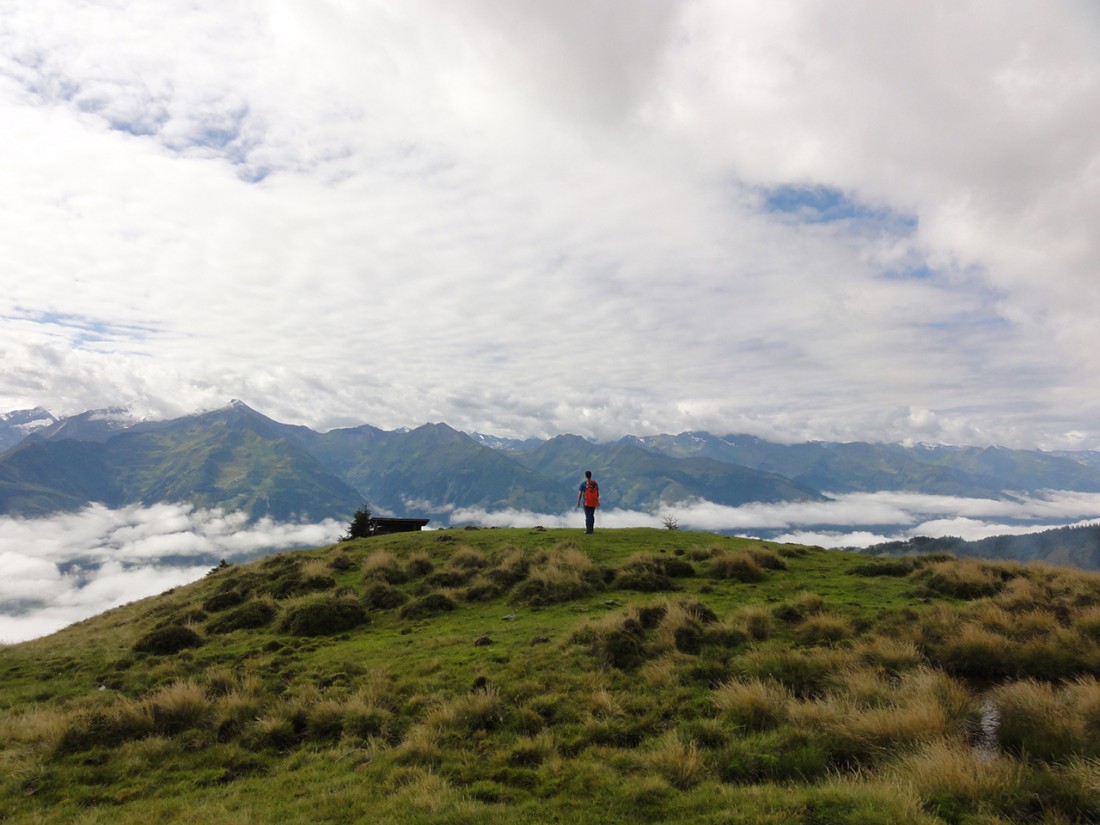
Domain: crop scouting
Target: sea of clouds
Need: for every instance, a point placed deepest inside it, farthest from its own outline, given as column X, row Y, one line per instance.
column 67, row 567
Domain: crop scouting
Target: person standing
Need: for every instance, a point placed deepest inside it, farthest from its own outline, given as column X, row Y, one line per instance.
column 589, row 495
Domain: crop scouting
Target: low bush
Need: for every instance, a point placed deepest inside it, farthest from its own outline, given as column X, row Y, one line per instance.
column 419, row 565
column 383, row 596
column 751, row 704
column 482, row 589
column 383, row 565
column 897, row 568
column 341, row 562
column 824, row 629
column 179, row 706
column 121, row 721
column 560, row 576
column 466, row 558
column 799, row 608
column 223, row 600
column 737, row 566
column 323, row 616
column 164, row 641
column 768, row 559
column 962, row 579
column 430, row 605
column 316, row 575
column 645, row 574
column 256, row 613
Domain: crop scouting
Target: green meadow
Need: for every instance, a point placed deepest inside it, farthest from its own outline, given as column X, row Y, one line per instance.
column 539, row 676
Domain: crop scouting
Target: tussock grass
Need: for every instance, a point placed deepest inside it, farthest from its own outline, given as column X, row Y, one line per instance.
column 679, row 763
column 759, row 702
column 825, row 629
column 752, row 704
column 950, row 777
column 565, row 574
column 383, row 565
column 963, row 578
column 739, row 566
column 176, row 707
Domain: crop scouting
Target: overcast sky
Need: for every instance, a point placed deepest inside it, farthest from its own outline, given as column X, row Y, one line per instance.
column 843, row 220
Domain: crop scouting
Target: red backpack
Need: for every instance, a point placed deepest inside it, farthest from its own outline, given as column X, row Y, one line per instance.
column 591, row 494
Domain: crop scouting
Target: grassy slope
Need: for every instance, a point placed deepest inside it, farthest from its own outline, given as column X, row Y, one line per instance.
column 775, row 684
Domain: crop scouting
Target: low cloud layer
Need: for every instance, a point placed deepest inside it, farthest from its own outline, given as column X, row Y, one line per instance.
column 60, row 570
column 851, row 520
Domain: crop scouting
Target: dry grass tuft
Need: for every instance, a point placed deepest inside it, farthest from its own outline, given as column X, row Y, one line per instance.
column 679, row 763
column 752, row 704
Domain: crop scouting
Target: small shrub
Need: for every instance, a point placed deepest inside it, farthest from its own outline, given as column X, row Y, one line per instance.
column 754, row 620
column 275, row 730
column 179, row 706
column 976, row 653
column 164, row 641
column 341, row 562
column 325, row 721
column 430, row 605
column 824, row 629
column 482, row 590
column 382, row 564
column 324, row 616
column 365, row 720
column 1087, row 623
column 316, row 575
column 419, row 565
column 466, row 558
column 768, row 559
column 751, row 704
column 680, row 763
column 962, row 579
column 447, row 578
column 223, row 600
column 382, row 596
column 482, row 710
column 619, row 644
column 122, row 721
column 561, row 576
column 797, row 609
column 897, row 568
column 256, row 613
column 1035, row 721
column 645, row 574
column 737, row 566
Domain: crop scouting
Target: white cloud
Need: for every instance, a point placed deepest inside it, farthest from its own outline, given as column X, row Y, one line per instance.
column 62, row 569
column 68, row 567
column 897, row 515
column 531, row 217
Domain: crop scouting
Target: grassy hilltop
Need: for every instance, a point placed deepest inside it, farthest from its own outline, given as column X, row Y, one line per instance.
column 540, row 676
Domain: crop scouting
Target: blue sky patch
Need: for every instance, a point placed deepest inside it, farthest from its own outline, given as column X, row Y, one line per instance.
column 825, row 204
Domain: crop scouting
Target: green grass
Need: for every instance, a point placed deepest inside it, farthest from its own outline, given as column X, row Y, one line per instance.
column 546, row 676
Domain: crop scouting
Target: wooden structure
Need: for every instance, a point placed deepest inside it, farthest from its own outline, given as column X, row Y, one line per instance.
column 385, row 526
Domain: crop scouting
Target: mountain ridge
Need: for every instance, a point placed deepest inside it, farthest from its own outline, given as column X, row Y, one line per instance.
column 237, row 458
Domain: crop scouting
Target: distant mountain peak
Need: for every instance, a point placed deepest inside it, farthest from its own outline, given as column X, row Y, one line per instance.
column 18, row 424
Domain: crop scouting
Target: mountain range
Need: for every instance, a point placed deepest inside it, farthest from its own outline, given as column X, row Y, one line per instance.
column 235, row 458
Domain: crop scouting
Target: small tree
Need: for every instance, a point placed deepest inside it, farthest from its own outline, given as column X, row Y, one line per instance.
column 360, row 527
column 671, row 522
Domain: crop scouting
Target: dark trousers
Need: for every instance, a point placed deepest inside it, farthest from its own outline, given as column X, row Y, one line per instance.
column 589, row 519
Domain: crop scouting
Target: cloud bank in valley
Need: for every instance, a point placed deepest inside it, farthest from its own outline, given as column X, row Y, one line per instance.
column 842, row 521
column 794, row 219
column 65, row 568
column 62, row 569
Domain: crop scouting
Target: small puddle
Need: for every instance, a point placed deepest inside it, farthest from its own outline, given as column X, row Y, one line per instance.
column 985, row 739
